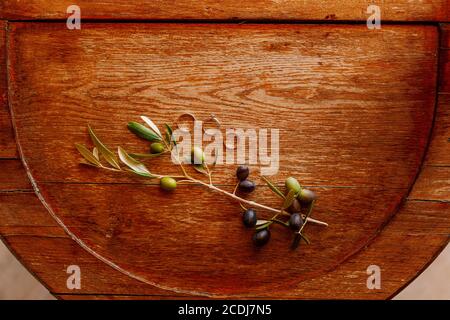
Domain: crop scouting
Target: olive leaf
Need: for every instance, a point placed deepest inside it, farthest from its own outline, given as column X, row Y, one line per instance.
column 304, row 237
column 169, row 134
column 152, row 126
column 87, row 155
column 289, row 199
column 273, row 188
column 142, row 131
column 137, row 167
column 95, row 153
column 110, row 157
column 264, row 225
column 200, row 168
column 260, row 222
column 145, row 155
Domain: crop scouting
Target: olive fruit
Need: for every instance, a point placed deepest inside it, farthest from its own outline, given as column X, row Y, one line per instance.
column 197, row 155
column 292, row 184
column 246, row 186
column 261, row 237
column 156, row 147
column 168, row 183
column 295, row 206
column 307, row 196
column 295, row 221
column 242, row 172
column 249, row 218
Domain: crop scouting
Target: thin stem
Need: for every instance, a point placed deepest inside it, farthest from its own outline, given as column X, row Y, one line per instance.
column 249, row 202
column 235, row 188
column 307, row 217
column 209, row 173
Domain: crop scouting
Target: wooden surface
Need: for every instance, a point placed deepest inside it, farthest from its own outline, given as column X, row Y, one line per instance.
column 391, row 10
column 7, row 143
column 376, row 128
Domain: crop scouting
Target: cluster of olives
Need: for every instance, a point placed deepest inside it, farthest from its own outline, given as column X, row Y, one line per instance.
column 303, row 199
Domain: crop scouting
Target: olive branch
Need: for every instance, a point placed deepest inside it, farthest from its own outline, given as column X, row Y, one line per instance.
column 295, row 200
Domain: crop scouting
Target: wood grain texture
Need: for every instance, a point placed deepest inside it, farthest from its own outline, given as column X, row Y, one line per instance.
column 204, row 78
column 289, row 76
column 7, row 142
column 46, row 250
column 444, row 57
column 433, row 182
column 399, row 263
column 48, row 257
column 391, row 10
column 210, row 229
column 13, row 176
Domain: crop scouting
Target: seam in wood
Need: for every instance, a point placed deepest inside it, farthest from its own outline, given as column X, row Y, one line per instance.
column 233, row 21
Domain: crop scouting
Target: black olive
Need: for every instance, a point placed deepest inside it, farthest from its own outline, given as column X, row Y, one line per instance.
column 249, row 218
column 306, row 196
column 246, row 186
column 295, row 221
column 295, row 206
column 242, row 172
column 261, row 237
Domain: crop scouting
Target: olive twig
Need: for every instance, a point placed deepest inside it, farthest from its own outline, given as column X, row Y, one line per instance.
column 294, row 200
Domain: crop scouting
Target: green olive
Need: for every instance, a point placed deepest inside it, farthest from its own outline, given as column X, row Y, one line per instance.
column 292, row 184
column 307, row 196
column 156, row 147
column 168, row 183
column 197, row 155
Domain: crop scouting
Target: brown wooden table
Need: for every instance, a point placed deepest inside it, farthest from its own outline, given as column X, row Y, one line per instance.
column 364, row 121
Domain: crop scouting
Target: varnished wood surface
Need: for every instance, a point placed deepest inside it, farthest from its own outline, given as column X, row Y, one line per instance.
column 119, row 225
column 7, row 142
column 391, row 10
column 290, row 76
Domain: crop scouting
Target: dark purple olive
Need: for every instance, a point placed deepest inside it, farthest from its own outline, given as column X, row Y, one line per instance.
column 295, row 221
column 249, row 218
column 242, row 173
column 306, row 196
column 246, row 186
column 261, row 237
column 295, row 206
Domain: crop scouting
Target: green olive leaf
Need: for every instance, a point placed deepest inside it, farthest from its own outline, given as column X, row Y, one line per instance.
column 260, row 222
column 145, row 155
column 289, row 199
column 304, row 237
column 110, row 157
column 273, row 188
column 142, row 131
column 200, row 168
column 142, row 174
column 169, row 135
column 95, row 153
column 152, row 126
column 264, row 225
column 87, row 155
column 137, row 167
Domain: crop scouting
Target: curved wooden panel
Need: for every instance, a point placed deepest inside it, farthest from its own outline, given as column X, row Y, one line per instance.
column 375, row 128
column 391, row 10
